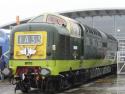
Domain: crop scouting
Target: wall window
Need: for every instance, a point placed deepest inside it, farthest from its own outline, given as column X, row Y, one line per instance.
column 104, row 44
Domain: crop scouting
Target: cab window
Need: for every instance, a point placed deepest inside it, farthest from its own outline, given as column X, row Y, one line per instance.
column 37, row 19
column 76, row 31
column 55, row 20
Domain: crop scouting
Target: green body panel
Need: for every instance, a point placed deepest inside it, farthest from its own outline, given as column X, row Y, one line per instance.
column 58, row 66
column 62, row 60
column 96, row 63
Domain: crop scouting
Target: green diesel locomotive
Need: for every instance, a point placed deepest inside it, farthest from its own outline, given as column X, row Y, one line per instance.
column 52, row 52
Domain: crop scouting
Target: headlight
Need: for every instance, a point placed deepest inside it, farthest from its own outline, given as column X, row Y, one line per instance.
column 45, row 72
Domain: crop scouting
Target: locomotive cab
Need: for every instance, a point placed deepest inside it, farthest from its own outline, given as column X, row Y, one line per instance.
column 43, row 45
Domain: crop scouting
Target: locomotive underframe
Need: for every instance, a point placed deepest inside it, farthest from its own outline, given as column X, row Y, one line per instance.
column 63, row 81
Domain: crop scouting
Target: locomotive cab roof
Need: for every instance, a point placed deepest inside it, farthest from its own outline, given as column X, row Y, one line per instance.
column 55, row 19
column 42, row 27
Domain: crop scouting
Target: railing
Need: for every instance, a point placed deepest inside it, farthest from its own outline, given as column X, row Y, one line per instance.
column 121, row 62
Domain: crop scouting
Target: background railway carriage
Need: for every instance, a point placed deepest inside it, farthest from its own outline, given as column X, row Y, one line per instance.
column 52, row 52
column 4, row 47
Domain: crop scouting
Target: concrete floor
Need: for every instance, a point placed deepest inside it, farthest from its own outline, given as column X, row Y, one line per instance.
column 109, row 85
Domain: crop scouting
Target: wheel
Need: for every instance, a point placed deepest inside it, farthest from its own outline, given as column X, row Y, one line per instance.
column 60, row 85
column 25, row 89
column 50, row 87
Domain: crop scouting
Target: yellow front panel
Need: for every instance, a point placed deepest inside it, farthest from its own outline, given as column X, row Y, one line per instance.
column 30, row 45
